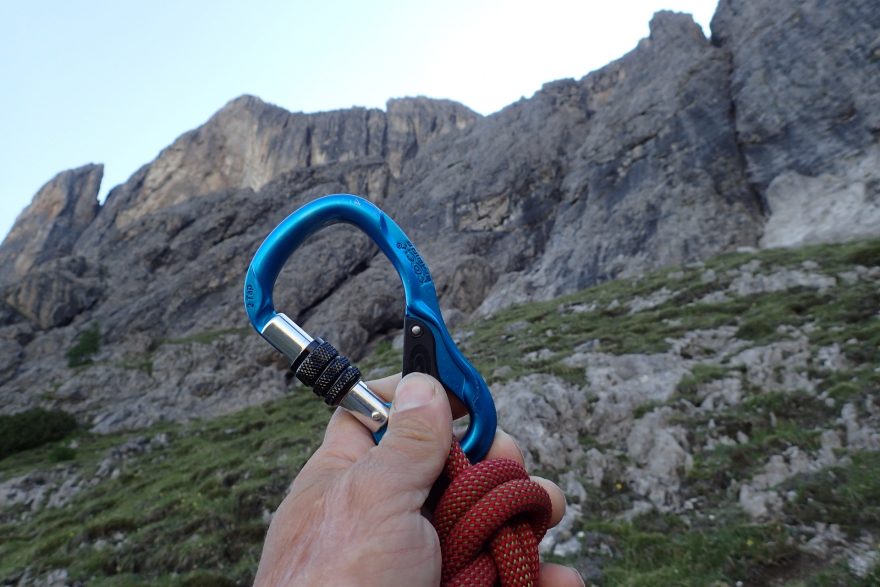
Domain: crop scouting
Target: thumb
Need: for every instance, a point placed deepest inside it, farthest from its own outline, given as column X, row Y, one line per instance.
column 413, row 451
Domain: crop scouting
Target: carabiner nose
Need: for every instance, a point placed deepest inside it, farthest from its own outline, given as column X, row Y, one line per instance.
column 428, row 347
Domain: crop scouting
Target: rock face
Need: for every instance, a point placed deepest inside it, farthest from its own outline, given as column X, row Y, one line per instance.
column 56, row 292
column 248, row 143
column 835, row 206
column 805, row 82
column 590, row 180
column 671, row 154
column 806, row 91
column 49, row 227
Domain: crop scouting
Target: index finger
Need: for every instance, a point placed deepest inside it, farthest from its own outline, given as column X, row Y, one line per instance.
column 346, row 440
column 385, row 389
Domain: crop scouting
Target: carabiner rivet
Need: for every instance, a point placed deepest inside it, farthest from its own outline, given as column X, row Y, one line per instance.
column 377, row 417
column 416, row 330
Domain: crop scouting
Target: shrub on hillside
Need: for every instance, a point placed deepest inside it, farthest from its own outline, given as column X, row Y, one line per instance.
column 87, row 343
column 33, row 428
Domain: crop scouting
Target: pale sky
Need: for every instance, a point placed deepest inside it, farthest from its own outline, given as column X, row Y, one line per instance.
column 114, row 82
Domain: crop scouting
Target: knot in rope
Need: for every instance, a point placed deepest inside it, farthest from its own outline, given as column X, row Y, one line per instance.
column 490, row 519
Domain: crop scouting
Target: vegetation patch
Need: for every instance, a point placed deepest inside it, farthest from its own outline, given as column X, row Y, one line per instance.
column 182, row 514
column 847, row 495
column 86, row 344
column 384, row 360
column 769, row 423
column 208, row 336
column 144, row 364
column 701, row 373
column 794, row 307
column 60, row 454
column 724, row 551
column 866, row 254
column 33, row 428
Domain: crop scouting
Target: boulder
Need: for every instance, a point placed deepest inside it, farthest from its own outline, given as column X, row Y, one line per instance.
column 55, row 293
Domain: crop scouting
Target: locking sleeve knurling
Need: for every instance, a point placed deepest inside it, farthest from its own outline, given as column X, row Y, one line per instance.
column 329, row 374
column 315, row 363
column 343, row 385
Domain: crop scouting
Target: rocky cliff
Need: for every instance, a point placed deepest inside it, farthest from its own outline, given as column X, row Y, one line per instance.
column 60, row 212
column 806, row 100
column 765, row 134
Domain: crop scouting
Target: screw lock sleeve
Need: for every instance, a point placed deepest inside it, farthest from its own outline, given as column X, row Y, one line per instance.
column 329, row 374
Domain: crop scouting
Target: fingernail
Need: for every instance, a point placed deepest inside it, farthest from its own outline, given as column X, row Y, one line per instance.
column 413, row 392
column 578, row 575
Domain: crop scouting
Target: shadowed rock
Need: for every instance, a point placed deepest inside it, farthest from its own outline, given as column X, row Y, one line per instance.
column 55, row 293
column 55, row 219
column 805, row 82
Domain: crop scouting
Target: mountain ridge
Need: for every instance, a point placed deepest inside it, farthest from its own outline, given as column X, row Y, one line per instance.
column 660, row 158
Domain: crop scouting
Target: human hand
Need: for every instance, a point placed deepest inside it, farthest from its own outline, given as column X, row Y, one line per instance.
column 353, row 515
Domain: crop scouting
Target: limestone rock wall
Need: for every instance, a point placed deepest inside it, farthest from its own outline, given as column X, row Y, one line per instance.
column 59, row 213
column 805, row 82
column 805, row 88
column 681, row 149
column 248, row 143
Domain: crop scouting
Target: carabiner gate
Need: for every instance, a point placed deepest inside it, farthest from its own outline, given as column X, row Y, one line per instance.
column 428, row 347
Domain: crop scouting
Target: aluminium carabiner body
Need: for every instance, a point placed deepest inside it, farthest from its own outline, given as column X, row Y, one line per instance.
column 428, row 347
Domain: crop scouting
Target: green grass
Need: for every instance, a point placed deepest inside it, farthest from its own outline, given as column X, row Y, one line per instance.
column 856, row 385
column 846, row 495
column 866, row 254
column 208, row 336
column 837, row 575
column 702, row 373
column 656, row 549
column 727, row 550
column 725, row 547
column 769, row 311
column 555, row 326
column 86, row 344
column 724, row 463
column 61, row 453
column 383, row 360
column 144, row 364
column 772, row 421
column 194, row 508
column 647, row 408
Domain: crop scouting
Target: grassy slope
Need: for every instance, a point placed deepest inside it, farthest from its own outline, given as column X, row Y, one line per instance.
column 194, row 512
column 189, row 513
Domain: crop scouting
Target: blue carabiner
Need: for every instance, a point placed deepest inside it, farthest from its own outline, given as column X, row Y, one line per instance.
column 428, row 347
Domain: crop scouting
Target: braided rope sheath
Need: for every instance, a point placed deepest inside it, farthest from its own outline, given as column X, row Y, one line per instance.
column 490, row 520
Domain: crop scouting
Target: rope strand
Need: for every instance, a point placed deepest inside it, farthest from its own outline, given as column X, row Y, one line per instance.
column 490, row 520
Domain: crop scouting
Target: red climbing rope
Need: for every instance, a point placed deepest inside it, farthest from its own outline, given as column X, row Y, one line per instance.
column 490, row 519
